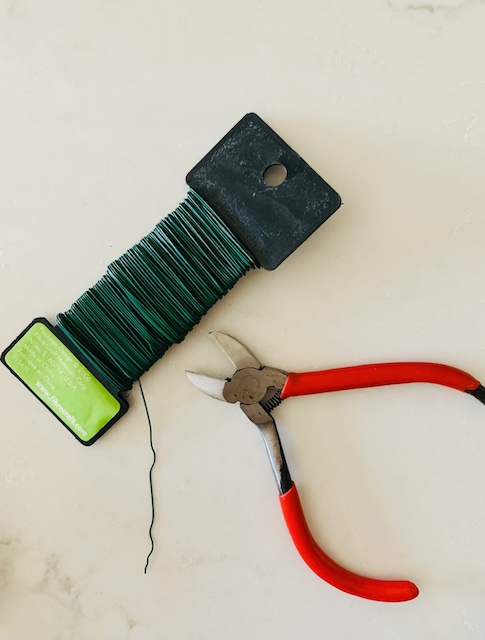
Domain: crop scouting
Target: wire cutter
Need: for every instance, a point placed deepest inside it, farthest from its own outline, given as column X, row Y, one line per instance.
column 260, row 389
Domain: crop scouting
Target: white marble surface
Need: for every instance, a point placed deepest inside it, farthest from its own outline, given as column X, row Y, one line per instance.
column 104, row 106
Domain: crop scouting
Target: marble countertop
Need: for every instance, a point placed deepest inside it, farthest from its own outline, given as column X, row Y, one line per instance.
column 104, row 107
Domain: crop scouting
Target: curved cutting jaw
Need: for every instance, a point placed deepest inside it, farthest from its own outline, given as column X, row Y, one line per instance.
column 234, row 351
column 213, row 387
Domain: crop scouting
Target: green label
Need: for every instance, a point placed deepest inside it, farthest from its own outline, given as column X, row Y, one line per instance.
column 62, row 382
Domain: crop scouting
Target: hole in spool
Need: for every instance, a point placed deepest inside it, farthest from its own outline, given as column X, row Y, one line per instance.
column 275, row 175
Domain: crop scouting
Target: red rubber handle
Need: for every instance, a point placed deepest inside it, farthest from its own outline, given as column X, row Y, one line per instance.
column 330, row 571
column 376, row 375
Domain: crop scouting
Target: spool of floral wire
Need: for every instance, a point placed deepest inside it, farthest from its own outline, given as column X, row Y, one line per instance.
column 156, row 292
column 236, row 216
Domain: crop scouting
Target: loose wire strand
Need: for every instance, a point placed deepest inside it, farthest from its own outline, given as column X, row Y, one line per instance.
column 150, row 479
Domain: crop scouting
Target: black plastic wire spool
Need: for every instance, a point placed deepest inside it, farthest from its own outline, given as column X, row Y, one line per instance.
column 252, row 202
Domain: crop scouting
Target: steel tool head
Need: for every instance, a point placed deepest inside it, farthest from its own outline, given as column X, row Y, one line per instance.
column 251, row 384
column 237, row 355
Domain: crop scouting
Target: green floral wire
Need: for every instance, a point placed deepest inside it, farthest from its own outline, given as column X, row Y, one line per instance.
column 156, row 292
